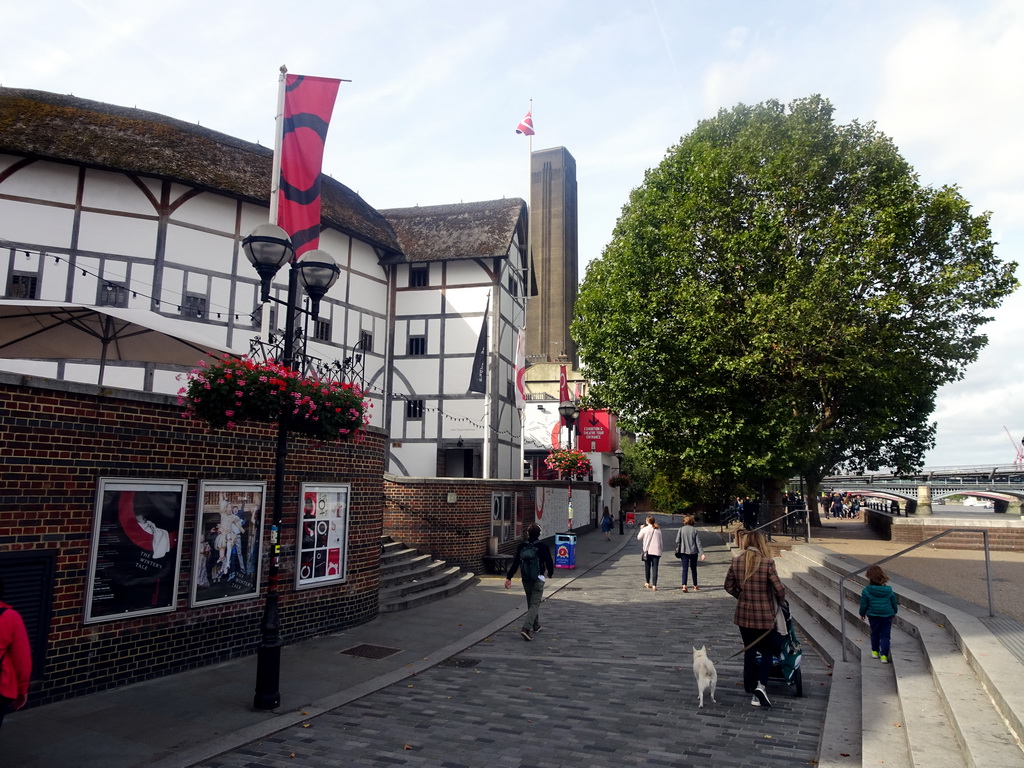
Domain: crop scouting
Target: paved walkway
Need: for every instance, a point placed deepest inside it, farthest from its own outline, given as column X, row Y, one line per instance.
column 607, row 682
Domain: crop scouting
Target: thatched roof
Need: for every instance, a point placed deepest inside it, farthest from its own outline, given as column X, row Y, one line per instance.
column 66, row 129
column 462, row 231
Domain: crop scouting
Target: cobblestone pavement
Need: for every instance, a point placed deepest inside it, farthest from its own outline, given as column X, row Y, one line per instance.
column 607, row 682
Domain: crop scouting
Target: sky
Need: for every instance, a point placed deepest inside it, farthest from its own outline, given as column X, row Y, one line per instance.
column 438, row 88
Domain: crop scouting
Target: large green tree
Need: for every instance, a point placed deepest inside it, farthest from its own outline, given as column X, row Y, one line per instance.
column 782, row 295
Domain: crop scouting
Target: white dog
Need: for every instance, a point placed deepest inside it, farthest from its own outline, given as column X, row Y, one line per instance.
column 706, row 674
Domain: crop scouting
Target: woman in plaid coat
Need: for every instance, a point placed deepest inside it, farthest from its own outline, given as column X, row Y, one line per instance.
column 754, row 582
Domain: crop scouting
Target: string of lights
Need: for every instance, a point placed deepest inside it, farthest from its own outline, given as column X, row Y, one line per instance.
column 213, row 312
column 217, row 312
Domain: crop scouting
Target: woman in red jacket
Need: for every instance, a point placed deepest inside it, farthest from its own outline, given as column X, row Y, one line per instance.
column 15, row 659
column 754, row 582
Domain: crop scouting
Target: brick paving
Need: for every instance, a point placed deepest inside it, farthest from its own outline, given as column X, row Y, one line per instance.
column 607, row 682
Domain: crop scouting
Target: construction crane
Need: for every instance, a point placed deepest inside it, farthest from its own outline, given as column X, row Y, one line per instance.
column 1019, row 447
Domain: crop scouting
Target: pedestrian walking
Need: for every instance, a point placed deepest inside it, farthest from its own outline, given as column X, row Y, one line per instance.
column 749, row 513
column 754, row 582
column 878, row 605
column 650, row 536
column 606, row 525
column 15, row 659
column 533, row 560
column 689, row 549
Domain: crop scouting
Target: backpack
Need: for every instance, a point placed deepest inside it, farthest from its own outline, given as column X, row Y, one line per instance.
column 529, row 561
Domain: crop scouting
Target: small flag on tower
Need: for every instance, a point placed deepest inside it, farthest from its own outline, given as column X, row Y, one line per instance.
column 526, row 125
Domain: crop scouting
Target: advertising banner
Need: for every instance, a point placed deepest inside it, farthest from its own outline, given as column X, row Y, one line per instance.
column 136, row 548
column 323, row 535
column 229, row 530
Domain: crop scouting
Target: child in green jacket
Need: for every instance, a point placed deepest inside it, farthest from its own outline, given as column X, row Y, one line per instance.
column 878, row 604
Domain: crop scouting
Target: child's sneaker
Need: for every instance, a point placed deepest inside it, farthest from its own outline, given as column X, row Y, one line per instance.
column 885, row 659
column 874, row 654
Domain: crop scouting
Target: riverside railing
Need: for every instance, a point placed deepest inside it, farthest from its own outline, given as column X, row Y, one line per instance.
column 851, row 574
column 795, row 513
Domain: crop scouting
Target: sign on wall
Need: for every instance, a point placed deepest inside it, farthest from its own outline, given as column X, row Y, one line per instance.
column 229, row 530
column 323, row 534
column 136, row 548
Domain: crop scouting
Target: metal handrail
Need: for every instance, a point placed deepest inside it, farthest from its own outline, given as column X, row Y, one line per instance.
column 805, row 511
column 842, row 579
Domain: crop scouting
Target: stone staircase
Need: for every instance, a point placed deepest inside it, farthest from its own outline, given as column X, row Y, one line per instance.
column 954, row 694
column 409, row 577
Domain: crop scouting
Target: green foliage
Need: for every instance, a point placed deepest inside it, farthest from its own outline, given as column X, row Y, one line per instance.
column 781, row 295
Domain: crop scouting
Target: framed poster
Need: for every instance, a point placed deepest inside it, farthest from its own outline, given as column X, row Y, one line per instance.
column 229, row 531
column 322, row 540
column 136, row 548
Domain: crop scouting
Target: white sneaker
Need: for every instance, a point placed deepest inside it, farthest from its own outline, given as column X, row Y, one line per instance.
column 762, row 696
column 755, row 702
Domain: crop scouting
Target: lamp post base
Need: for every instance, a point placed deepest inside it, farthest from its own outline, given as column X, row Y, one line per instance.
column 268, row 677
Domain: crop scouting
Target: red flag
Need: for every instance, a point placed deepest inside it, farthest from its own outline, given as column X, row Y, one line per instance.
column 308, row 104
column 563, row 385
column 526, row 125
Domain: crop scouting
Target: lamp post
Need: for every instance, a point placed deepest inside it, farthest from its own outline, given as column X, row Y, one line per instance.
column 569, row 411
column 269, row 248
column 619, row 455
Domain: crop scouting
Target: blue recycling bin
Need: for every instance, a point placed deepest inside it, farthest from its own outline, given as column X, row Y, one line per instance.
column 565, row 550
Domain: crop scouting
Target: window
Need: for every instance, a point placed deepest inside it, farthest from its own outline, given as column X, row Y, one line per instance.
column 506, row 516
column 322, row 330
column 366, row 341
column 193, row 306
column 414, row 409
column 112, row 295
column 419, row 275
column 23, row 286
column 417, row 345
column 513, row 284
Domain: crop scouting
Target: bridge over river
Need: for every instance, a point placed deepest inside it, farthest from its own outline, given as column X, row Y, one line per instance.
column 914, row 493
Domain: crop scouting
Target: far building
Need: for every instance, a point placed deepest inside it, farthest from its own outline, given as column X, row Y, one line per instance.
column 554, row 243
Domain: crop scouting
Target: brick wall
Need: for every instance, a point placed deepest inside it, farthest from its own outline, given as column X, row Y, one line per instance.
column 57, row 439
column 418, row 513
column 1005, row 532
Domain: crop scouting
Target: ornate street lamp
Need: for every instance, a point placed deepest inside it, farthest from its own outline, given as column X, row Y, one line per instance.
column 269, row 248
column 570, row 412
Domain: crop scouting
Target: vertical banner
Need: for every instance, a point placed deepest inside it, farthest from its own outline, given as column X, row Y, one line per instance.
column 563, row 385
column 478, row 376
column 521, row 370
column 226, row 562
column 136, row 548
column 308, row 105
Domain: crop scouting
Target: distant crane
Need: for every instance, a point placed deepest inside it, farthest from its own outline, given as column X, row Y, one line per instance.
column 1019, row 448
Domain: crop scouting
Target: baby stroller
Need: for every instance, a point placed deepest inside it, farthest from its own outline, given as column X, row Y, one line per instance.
column 786, row 659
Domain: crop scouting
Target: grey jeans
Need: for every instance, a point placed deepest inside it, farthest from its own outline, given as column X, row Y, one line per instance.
column 534, row 595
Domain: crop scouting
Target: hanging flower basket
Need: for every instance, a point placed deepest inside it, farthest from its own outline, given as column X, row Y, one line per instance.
column 234, row 390
column 620, row 481
column 568, row 461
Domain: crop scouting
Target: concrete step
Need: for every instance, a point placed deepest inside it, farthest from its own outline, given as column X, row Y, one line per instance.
column 951, row 697
column 447, row 589
column 409, row 577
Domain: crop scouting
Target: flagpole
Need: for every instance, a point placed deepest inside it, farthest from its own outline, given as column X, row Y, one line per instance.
column 487, row 393
column 275, row 172
column 275, row 183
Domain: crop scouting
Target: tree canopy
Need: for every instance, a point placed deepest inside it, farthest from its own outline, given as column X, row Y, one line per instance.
column 782, row 295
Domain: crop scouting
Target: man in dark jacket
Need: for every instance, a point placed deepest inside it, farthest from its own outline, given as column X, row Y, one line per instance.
column 533, row 557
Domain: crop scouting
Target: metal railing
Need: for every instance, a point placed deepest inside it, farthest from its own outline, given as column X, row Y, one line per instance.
column 807, row 523
column 851, row 574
